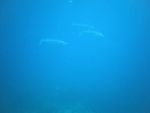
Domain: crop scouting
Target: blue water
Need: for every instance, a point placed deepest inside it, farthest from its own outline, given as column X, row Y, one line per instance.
column 74, row 56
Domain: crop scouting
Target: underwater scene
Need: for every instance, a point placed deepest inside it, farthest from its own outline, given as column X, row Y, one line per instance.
column 74, row 56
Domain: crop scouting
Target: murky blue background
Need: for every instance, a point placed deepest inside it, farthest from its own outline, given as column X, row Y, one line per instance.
column 90, row 74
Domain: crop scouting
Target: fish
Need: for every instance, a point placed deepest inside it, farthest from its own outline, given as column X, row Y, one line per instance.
column 83, row 25
column 93, row 32
column 42, row 41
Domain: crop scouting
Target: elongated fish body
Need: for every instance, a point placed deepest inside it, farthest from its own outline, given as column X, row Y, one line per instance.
column 43, row 41
column 92, row 32
column 83, row 25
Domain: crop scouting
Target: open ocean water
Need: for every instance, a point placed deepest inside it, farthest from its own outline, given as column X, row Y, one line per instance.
column 74, row 56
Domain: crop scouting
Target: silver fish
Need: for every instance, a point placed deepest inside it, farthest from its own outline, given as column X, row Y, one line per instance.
column 83, row 25
column 93, row 32
column 42, row 41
